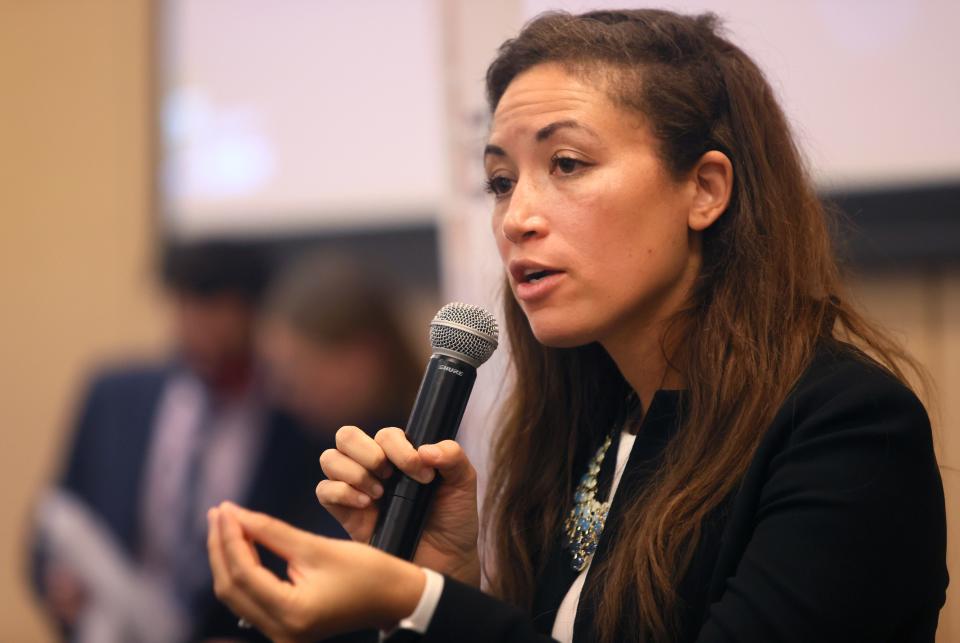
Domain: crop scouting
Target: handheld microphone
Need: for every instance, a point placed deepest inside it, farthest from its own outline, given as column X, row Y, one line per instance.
column 462, row 337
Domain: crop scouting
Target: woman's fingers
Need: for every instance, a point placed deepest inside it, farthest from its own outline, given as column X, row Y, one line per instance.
column 268, row 594
column 344, row 503
column 401, row 453
column 360, row 447
column 357, row 455
column 283, row 539
column 449, row 459
column 337, row 466
column 332, row 493
column 376, row 458
column 223, row 584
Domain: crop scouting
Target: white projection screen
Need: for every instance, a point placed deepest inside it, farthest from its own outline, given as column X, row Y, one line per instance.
column 329, row 114
column 299, row 114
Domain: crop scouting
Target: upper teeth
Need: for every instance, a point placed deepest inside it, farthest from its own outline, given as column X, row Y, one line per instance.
column 531, row 271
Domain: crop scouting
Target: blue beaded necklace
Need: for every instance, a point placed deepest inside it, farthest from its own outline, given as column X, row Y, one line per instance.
column 584, row 525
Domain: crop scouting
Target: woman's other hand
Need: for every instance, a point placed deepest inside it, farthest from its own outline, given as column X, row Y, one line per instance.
column 356, row 469
column 335, row 586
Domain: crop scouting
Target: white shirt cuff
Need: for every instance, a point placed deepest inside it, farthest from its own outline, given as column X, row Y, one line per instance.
column 422, row 614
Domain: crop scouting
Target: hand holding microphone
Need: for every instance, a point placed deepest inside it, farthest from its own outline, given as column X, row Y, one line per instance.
column 449, row 542
column 380, row 488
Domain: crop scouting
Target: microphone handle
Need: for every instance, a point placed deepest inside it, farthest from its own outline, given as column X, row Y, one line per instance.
column 436, row 416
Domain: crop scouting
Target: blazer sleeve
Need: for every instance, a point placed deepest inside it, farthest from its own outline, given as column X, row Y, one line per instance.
column 70, row 476
column 849, row 538
column 468, row 615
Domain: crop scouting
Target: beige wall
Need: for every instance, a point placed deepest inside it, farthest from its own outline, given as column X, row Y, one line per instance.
column 76, row 239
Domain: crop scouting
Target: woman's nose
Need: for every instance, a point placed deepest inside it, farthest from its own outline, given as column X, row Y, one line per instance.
column 524, row 219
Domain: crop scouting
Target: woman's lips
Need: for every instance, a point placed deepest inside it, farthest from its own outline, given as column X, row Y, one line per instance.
column 530, row 291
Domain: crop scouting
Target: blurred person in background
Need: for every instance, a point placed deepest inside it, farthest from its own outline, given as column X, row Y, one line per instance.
column 335, row 349
column 120, row 541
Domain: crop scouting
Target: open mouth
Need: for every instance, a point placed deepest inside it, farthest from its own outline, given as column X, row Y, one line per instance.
column 533, row 276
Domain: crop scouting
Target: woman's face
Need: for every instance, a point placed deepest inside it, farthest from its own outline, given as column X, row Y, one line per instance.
column 592, row 230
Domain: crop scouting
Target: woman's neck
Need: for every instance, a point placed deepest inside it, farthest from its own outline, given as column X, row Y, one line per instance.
column 641, row 360
column 640, row 346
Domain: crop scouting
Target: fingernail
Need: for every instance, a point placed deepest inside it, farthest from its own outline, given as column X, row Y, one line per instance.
column 363, row 499
column 430, row 451
column 377, row 490
column 425, row 476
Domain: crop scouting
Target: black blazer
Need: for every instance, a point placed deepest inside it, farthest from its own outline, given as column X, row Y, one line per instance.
column 836, row 532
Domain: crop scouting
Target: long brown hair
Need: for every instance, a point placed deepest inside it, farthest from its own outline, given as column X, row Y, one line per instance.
column 769, row 291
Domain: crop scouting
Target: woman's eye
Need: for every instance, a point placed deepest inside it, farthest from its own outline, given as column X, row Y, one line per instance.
column 566, row 164
column 499, row 185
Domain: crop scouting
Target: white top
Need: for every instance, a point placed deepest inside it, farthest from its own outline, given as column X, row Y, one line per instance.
column 567, row 612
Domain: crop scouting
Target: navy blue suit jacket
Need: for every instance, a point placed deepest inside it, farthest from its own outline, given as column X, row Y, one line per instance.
column 106, row 462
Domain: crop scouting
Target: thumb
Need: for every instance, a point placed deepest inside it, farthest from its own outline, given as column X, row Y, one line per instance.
column 450, row 461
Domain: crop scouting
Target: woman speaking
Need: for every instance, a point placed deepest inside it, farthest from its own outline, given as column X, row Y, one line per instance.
column 704, row 441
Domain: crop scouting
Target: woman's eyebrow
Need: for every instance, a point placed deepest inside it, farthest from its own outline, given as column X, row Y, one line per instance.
column 543, row 134
column 493, row 150
column 547, row 131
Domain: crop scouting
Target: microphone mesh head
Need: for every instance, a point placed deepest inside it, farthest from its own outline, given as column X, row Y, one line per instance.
column 466, row 332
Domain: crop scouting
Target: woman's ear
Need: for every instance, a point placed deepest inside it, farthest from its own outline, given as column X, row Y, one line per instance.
column 713, row 183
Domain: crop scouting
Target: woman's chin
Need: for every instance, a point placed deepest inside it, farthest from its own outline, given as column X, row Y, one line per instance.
column 560, row 336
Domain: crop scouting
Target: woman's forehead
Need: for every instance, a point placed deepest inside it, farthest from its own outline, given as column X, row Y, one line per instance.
column 546, row 95
column 546, row 91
